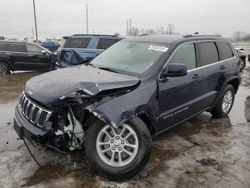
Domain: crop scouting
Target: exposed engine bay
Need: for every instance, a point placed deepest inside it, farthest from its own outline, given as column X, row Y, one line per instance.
column 68, row 130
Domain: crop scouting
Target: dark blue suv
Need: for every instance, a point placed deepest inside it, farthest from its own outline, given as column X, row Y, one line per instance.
column 137, row 88
column 81, row 48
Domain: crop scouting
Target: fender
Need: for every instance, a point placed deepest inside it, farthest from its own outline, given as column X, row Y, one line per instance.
column 224, row 85
column 115, row 111
column 8, row 61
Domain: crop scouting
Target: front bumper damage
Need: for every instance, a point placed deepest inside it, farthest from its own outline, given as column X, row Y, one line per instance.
column 27, row 130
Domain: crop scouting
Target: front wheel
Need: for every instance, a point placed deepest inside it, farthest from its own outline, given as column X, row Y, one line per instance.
column 121, row 153
column 225, row 103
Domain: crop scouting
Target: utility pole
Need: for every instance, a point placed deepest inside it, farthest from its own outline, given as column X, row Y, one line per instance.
column 34, row 7
column 127, row 27
column 32, row 33
column 130, row 25
column 87, row 20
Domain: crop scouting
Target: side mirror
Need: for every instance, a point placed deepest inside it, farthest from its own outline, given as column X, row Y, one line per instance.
column 174, row 70
column 44, row 52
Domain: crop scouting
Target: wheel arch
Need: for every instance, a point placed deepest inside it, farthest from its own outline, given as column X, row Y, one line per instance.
column 7, row 62
column 235, row 82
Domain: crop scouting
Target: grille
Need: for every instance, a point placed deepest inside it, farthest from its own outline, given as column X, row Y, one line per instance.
column 33, row 112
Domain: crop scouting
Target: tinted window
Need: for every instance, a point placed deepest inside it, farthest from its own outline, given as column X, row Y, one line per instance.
column 185, row 55
column 106, row 43
column 208, row 53
column 77, row 43
column 17, row 47
column 3, row 46
column 31, row 48
column 225, row 50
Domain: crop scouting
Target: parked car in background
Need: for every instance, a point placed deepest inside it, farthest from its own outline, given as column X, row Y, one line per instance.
column 51, row 45
column 137, row 88
column 81, row 48
column 24, row 56
column 242, row 55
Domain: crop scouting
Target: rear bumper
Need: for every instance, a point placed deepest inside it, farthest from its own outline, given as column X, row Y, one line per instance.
column 27, row 130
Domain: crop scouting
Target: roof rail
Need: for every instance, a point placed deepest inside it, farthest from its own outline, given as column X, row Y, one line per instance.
column 197, row 35
column 94, row 35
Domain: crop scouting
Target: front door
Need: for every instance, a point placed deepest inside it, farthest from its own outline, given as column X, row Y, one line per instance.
column 40, row 59
column 178, row 96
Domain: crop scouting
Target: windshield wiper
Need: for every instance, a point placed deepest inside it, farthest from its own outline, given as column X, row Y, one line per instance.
column 108, row 69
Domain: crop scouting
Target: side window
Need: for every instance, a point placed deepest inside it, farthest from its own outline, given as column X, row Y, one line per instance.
column 15, row 47
column 31, row 48
column 4, row 47
column 106, row 43
column 208, row 53
column 77, row 43
column 185, row 55
column 225, row 50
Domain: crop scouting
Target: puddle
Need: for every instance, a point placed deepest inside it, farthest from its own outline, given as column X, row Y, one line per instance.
column 51, row 173
column 158, row 155
column 12, row 85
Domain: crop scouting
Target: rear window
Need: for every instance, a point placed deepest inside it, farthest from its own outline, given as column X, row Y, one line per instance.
column 208, row 53
column 106, row 43
column 76, row 43
column 225, row 50
column 17, row 48
column 3, row 46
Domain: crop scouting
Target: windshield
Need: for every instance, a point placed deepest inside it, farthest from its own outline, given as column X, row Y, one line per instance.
column 131, row 57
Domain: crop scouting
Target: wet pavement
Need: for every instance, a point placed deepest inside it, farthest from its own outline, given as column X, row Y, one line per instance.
column 201, row 152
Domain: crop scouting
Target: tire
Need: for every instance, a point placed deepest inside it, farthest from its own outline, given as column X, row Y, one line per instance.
column 242, row 63
column 129, row 165
column 219, row 111
column 4, row 68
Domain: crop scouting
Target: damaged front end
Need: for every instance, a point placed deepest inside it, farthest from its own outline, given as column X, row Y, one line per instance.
column 62, row 125
column 74, row 114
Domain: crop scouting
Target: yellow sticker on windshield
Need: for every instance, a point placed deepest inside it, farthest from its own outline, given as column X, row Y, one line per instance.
column 158, row 48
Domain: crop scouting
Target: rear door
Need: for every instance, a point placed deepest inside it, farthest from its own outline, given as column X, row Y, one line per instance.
column 211, row 72
column 19, row 56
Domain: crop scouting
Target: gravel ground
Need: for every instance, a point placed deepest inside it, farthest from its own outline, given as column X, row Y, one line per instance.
column 202, row 152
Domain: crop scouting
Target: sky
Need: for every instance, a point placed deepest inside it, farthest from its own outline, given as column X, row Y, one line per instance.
column 57, row 18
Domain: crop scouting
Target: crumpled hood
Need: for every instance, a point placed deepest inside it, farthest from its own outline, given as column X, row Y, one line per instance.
column 50, row 86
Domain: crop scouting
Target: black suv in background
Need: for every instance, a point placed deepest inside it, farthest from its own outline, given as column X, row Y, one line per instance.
column 137, row 88
column 24, row 56
column 81, row 48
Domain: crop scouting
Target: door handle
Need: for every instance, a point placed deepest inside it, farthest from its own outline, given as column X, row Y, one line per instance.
column 196, row 76
column 222, row 67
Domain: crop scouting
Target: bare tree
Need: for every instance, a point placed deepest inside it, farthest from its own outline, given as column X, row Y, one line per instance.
column 238, row 35
column 134, row 31
column 170, row 29
column 117, row 34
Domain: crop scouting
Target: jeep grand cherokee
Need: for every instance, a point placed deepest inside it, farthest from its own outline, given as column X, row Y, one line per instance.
column 137, row 88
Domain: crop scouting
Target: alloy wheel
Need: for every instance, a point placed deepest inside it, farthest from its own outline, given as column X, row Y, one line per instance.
column 117, row 147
